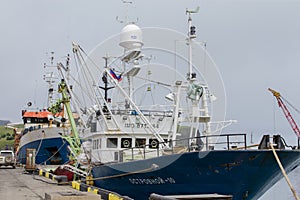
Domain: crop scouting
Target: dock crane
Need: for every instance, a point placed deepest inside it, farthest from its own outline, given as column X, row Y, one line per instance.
column 286, row 112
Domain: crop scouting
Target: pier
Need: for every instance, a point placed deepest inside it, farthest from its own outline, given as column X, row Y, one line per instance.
column 17, row 184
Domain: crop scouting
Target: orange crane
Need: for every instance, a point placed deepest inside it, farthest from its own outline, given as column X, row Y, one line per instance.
column 286, row 112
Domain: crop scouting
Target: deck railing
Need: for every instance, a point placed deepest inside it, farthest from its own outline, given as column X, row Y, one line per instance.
column 201, row 143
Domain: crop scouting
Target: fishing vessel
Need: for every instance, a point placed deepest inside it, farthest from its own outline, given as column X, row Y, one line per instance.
column 43, row 132
column 155, row 112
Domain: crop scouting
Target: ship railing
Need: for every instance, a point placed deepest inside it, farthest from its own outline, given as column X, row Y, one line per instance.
column 31, row 128
column 231, row 141
column 145, row 112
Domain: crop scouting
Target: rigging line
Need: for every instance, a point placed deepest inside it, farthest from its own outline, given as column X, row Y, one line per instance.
column 94, row 93
column 61, row 73
column 88, row 71
column 101, row 109
column 72, row 95
column 291, row 105
column 157, row 82
column 83, row 63
column 95, row 65
column 84, row 74
column 63, row 77
column 76, row 105
column 78, row 70
column 83, row 92
column 40, row 143
column 85, row 78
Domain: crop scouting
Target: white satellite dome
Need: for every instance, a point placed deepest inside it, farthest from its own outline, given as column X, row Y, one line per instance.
column 131, row 38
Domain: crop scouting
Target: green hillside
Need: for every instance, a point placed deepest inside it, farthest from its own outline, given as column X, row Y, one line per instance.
column 7, row 136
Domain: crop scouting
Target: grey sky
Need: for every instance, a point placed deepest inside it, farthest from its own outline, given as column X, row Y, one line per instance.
column 255, row 44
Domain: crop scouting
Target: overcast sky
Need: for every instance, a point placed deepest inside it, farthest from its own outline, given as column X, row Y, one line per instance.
column 255, row 44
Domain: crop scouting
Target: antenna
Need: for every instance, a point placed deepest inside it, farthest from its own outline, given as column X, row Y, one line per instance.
column 50, row 78
column 193, row 11
column 126, row 18
column 191, row 36
column 51, row 56
column 192, row 29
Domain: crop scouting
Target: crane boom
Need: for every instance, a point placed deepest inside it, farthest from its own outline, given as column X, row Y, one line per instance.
column 73, row 138
column 286, row 112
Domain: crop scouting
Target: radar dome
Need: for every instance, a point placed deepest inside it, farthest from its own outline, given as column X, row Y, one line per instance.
column 131, row 38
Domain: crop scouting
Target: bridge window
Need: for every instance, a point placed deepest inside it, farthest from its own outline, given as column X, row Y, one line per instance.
column 112, row 142
column 140, row 142
column 97, row 144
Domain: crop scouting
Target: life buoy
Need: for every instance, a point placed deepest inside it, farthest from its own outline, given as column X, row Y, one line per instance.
column 126, row 143
column 154, row 144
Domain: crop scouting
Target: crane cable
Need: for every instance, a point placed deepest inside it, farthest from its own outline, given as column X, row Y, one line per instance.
column 290, row 105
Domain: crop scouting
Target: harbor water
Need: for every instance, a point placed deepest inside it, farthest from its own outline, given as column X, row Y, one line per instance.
column 281, row 189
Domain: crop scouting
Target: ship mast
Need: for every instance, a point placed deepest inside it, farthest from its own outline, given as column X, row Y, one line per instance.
column 195, row 90
column 191, row 37
column 50, row 78
column 104, row 79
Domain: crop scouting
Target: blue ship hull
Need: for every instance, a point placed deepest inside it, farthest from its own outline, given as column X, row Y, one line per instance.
column 244, row 174
column 51, row 151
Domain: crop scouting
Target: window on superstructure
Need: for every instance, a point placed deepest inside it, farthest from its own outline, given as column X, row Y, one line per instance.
column 112, row 143
column 97, row 144
column 28, row 120
column 140, row 142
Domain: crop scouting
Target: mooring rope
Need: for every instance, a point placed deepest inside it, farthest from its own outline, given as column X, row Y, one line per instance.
column 154, row 166
column 284, row 173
